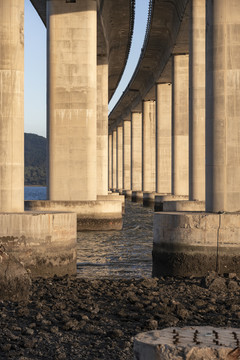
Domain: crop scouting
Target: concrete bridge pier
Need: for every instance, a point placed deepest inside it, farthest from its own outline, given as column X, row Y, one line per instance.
column 127, row 159
column 194, row 243
column 179, row 99
column 180, row 125
column 136, row 156
column 102, row 134
column 114, row 160
column 149, row 152
column 110, row 162
column 44, row 243
column 163, row 145
column 102, row 126
column 77, row 118
column 196, row 200
column 120, row 157
column 164, row 138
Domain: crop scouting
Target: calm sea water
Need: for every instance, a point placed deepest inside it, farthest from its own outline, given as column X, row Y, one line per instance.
column 108, row 254
column 35, row 193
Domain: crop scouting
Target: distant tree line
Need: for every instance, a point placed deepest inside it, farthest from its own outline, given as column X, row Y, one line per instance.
column 35, row 154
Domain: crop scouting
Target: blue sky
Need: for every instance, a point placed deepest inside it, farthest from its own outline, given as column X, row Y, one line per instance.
column 35, row 65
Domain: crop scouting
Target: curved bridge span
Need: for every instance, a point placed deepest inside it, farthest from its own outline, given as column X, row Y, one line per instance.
column 172, row 136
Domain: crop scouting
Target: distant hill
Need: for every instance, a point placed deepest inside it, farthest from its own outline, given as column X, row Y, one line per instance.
column 35, row 157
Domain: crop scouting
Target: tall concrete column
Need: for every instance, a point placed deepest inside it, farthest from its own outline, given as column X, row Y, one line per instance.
column 126, row 154
column 223, row 106
column 120, row 157
column 136, row 151
column 149, row 146
column 110, row 164
column 102, row 126
column 197, row 101
column 180, row 125
column 114, row 159
column 72, row 102
column 11, row 105
column 164, row 138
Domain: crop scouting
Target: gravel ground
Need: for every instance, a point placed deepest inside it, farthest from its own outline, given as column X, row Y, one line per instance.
column 73, row 318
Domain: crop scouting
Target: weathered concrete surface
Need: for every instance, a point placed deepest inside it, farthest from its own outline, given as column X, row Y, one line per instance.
column 11, row 105
column 91, row 215
column 180, row 125
column 72, row 100
column 189, row 343
column 197, row 102
column 15, row 281
column 191, row 244
column 110, row 164
column 120, row 157
column 160, row 199
column 126, row 154
column 149, row 145
column 115, row 197
column 136, row 151
column 102, row 126
column 183, row 205
column 163, row 138
column 222, row 106
column 45, row 243
column 114, row 159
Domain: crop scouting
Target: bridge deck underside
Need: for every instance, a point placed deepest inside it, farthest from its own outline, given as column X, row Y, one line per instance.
column 114, row 34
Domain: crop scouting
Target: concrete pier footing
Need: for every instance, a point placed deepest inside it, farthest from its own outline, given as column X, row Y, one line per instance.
column 184, row 205
column 115, row 197
column 137, row 196
column 44, row 243
column 195, row 342
column 149, row 199
column 191, row 244
column 127, row 194
column 91, row 215
column 160, row 199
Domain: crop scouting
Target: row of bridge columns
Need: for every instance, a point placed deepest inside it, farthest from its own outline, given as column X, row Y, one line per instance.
column 158, row 158
column 187, row 144
column 168, row 137
column 77, row 131
column 77, row 104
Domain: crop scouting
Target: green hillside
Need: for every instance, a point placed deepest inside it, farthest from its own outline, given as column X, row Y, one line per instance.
column 35, row 157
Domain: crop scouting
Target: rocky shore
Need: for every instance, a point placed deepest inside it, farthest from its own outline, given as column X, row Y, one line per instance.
column 73, row 318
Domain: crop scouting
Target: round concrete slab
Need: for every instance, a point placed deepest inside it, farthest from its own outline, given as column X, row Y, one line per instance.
column 200, row 342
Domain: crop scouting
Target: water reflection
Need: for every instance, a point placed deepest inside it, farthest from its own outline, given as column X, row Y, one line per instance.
column 126, row 253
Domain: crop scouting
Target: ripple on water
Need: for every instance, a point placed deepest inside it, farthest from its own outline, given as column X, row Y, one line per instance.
column 125, row 254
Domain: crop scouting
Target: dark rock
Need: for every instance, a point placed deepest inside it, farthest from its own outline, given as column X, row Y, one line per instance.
column 212, row 275
column 152, row 324
column 233, row 285
column 218, row 284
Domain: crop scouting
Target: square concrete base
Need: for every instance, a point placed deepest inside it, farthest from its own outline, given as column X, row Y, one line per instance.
column 115, row 197
column 149, row 199
column 183, row 205
column 160, row 199
column 91, row 215
column 45, row 243
column 188, row 243
column 127, row 194
column 137, row 196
